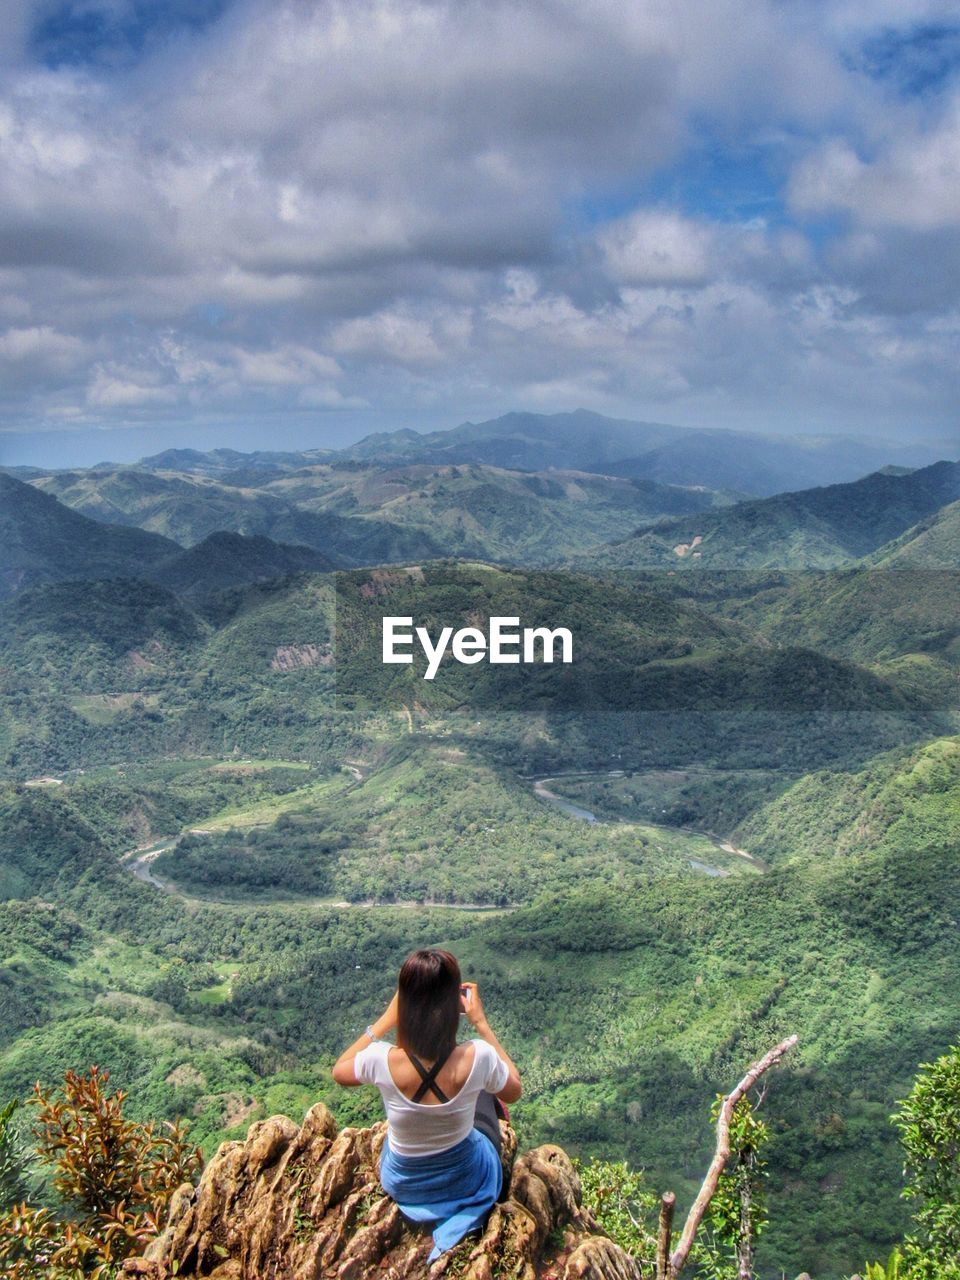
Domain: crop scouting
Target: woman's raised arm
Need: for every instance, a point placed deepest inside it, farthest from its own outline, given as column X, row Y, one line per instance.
column 473, row 1008
column 343, row 1071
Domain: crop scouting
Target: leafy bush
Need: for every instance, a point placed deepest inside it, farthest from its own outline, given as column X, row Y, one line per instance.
column 929, row 1124
column 892, row 1271
column 115, row 1178
column 617, row 1197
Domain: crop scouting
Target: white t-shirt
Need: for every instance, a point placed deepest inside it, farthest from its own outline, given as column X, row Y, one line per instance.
column 424, row 1128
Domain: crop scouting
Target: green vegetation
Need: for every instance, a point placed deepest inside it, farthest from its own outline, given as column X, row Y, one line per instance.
column 239, row 741
column 811, row 529
column 628, row 1008
column 14, row 1178
column 621, row 1202
column 188, row 509
column 900, row 801
column 929, row 1124
column 491, row 513
column 891, row 1271
column 358, row 513
column 113, row 1179
column 933, row 543
column 865, row 615
column 43, row 541
column 432, row 823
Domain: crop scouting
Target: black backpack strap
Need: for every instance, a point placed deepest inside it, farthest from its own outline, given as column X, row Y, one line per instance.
column 429, row 1078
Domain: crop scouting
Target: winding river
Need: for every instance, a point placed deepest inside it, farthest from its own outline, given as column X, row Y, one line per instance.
column 139, row 862
column 542, row 791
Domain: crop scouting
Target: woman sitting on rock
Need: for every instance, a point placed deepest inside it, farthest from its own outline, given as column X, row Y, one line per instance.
column 441, row 1160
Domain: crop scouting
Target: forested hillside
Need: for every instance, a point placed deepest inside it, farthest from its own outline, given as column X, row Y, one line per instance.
column 43, row 541
column 356, row 512
column 818, row 528
column 735, row 815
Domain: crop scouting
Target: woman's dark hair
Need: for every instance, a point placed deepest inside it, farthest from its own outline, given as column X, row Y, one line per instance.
column 428, row 1004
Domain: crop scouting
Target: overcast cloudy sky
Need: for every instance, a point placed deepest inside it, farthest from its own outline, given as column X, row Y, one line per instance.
column 284, row 224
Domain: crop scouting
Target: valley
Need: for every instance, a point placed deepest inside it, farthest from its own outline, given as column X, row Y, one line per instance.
column 735, row 816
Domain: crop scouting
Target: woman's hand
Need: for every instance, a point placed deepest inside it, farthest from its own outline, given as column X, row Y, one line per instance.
column 473, row 1007
column 471, row 1004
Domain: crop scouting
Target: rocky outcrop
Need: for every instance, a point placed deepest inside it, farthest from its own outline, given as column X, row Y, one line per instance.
column 305, row 1203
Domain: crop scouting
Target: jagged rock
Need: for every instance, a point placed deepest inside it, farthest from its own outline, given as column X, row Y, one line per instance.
column 305, row 1203
column 598, row 1258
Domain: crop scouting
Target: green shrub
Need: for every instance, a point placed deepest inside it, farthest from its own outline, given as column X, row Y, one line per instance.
column 617, row 1197
column 115, row 1178
column 929, row 1124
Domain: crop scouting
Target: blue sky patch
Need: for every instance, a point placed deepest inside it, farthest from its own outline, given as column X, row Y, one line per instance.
column 112, row 35
column 918, row 61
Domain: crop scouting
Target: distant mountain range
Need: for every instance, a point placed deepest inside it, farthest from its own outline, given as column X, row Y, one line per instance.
column 745, row 462
column 41, row 540
column 197, row 522
column 355, row 513
column 737, row 460
column 188, row 508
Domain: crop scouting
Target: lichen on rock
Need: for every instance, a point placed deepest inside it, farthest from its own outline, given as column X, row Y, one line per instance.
column 305, row 1203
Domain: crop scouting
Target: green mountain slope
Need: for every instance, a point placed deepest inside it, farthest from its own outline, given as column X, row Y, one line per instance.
column 192, row 508
column 123, row 669
column 933, row 543
column 115, row 634
column 45, row 842
column 869, row 615
column 490, row 513
column 899, row 801
column 408, row 512
column 812, row 528
column 225, row 560
column 632, row 650
column 117, row 669
column 41, row 540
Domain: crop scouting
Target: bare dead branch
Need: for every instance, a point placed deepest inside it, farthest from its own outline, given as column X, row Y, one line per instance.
column 668, row 1203
column 678, row 1258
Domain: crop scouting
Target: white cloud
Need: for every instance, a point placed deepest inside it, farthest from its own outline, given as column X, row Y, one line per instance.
column 118, row 388
column 284, row 367
column 913, row 181
column 399, row 202
column 401, row 336
column 38, row 358
column 656, row 247
column 43, row 343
